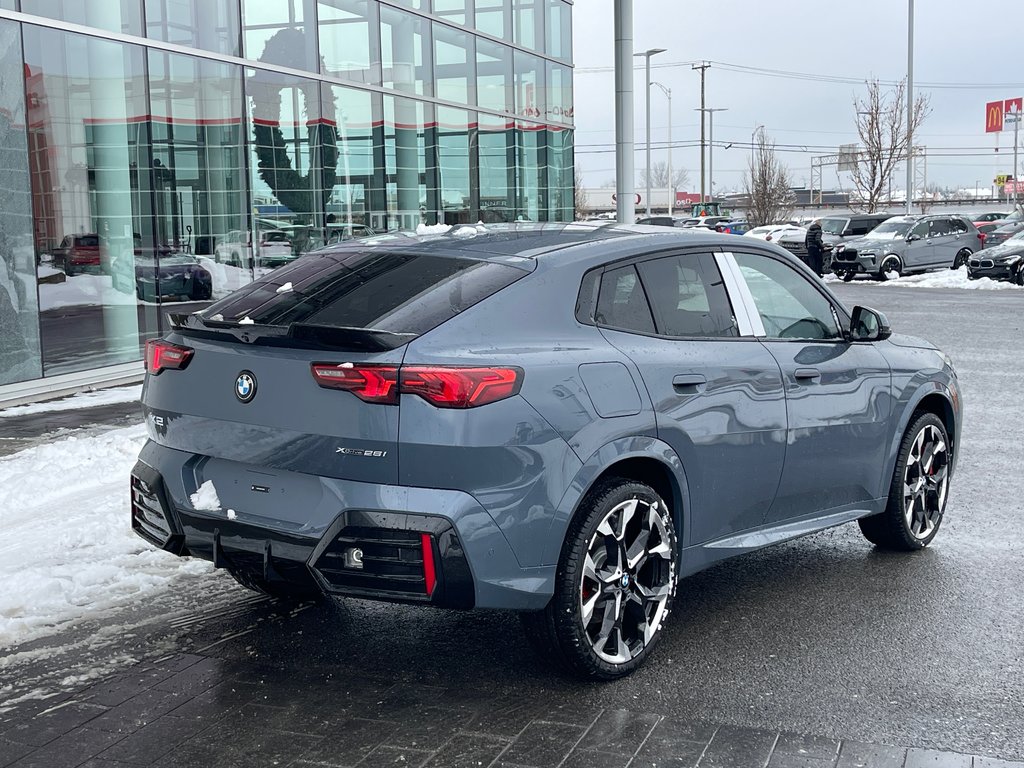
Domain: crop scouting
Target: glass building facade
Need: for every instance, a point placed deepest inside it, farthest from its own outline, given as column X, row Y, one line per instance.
column 158, row 154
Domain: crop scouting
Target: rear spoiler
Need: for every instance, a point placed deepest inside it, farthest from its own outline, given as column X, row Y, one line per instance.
column 302, row 335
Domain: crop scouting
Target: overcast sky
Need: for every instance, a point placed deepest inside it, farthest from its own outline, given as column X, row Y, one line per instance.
column 977, row 43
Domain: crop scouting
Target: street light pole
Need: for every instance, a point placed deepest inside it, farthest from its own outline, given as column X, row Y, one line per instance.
column 647, row 91
column 671, row 180
column 910, row 106
column 703, row 67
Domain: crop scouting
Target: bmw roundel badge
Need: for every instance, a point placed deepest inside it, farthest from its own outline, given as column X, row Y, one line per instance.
column 245, row 386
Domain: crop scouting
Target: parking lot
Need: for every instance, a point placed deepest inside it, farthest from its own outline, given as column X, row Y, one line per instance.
column 780, row 655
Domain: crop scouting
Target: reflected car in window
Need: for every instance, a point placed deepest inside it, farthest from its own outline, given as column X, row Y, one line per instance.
column 162, row 275
column 559, row 420
column 78, row 253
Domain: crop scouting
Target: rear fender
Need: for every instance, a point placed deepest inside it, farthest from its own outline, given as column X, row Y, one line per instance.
column 636, row 447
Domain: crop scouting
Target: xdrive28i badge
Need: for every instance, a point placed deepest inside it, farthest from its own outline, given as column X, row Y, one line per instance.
column 245, row 386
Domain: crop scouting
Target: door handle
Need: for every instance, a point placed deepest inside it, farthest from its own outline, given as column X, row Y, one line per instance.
column 688, row 383
column 807, row 374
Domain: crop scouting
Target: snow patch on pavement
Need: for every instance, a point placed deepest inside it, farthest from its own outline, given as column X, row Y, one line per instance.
column 75, row 402
column 68, row 550
column 943, row 278
column 206, row 497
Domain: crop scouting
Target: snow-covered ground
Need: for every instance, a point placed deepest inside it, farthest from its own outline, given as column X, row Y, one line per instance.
column 110, row 396
column 942, row 278
column 68, row 552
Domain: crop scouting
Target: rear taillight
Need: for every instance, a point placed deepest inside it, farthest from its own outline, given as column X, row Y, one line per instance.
column 442, row 386
column 372, row 383
column 162, row 355
column 460, row 387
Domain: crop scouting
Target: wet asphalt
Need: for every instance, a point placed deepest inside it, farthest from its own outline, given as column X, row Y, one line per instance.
column 823, row 636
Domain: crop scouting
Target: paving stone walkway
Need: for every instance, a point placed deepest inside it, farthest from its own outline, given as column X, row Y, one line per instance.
column 201, row 711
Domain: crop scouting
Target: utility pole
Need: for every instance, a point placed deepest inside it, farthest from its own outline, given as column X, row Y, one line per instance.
column 671, row 179
column 703, row 67
column 910, row 106
column 625, row 211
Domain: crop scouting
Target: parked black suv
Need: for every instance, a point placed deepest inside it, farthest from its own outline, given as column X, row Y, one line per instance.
column 834, row 230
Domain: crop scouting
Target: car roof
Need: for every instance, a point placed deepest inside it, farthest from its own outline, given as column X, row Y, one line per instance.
column 528, row 240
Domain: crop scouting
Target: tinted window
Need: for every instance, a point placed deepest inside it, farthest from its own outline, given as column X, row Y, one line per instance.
column 790, row 306
column 940, row 227
column 395, row 292
column 687, row 297
column 920, row 230
column 959, row 225
column 621, row 302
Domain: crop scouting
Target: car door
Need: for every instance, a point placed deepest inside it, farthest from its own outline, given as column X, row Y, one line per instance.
column 838, row 393
column 943, row 237
column 918, row 253
column 717, row 392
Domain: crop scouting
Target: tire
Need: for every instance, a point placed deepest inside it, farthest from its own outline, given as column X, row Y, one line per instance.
column 848, row 276
column 891, row 263
column 961, row 257
column 636, row 601
column 906, row 529
column 283, row 591
column 1019, row 277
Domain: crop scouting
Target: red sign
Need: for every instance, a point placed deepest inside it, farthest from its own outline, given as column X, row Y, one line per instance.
column 1012, row 109
column 636, row 198
column 994, row 117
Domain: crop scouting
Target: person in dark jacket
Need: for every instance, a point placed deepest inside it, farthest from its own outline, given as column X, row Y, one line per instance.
column 815, row 247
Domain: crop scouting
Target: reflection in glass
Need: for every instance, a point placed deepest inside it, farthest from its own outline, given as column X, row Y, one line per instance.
column 123, row 16
column 492, row 17
column 416, row 5
column 559, row 30
column 453, row 64
column 89, row 148
column 350, row 199
column 560, row 183
column 532, row 171
column 559, row 93
column 528, row 23
column 494, row 76
column 497, row 168
column 294, row 157
column 409, row 186
column 200, row 200
column 529, row 84
column 405, row 52
column 282, row 32
column 19, row 326
column 453, row 146
column 451, row 10
column 348, row 30
column 209, row 24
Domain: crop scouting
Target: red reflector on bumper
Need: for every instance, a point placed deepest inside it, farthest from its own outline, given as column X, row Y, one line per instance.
column 429, row 574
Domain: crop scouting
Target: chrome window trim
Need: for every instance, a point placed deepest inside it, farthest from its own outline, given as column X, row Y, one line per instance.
column 747, row 318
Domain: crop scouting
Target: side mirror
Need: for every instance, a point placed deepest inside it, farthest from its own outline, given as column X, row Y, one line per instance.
column 912, row 238
column 869, row 325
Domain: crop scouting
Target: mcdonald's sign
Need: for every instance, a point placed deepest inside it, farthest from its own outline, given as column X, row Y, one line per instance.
column 994, row 117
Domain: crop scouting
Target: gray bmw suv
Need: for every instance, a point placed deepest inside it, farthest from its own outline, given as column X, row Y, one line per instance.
column 561, row 420
column 905, row 244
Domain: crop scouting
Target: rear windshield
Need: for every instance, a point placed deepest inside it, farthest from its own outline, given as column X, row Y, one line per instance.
column 394, row 292
column 88, row 241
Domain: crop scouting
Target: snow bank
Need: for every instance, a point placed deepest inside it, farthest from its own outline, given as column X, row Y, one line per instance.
column 82, row 291
column 81, row 400
column 431, row 229
column 943, row 278
column 67, row 549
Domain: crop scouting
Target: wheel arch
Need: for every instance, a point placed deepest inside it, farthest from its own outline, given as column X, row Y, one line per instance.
column 933, row 399
column 643, row 459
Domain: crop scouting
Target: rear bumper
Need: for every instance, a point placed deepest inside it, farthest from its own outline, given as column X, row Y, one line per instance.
column 408, row 545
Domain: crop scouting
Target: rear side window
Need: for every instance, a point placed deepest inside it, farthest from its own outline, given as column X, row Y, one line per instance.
column 387, row 291
column 622, row 304
column 687, row 297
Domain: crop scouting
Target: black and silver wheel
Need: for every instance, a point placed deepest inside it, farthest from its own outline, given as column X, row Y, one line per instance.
column 961, row 258
column 891, row 263
column 848, row 276
column 1018, row 278
column 615, row 583
column 919, row 489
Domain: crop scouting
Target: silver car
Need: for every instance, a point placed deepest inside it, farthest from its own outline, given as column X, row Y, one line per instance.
column 905, row 244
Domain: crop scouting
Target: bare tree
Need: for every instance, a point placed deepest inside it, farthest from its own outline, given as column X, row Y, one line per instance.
column 881, row 119
column 768, row 185
column 581, row 200
column 659, row 177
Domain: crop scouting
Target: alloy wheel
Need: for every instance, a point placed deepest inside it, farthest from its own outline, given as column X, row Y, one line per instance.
column 627, row 581
column 926, row 482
